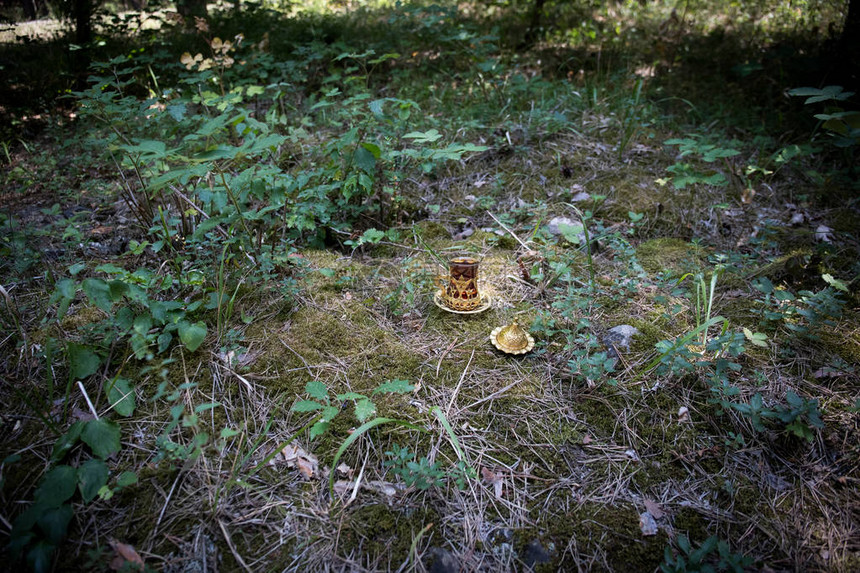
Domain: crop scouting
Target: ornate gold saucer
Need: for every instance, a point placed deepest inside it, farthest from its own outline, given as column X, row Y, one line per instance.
column 486, row 302
column 512, row 339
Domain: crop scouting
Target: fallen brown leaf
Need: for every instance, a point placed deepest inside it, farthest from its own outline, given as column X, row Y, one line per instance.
column 654, row 509
column 125, row 557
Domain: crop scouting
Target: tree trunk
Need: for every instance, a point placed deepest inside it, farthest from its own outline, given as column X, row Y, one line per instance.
column 534, row 22
column 191, row 8
column 83, row 22
column 848, row 47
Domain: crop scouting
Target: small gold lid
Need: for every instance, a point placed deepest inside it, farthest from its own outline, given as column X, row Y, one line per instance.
column 512, row 339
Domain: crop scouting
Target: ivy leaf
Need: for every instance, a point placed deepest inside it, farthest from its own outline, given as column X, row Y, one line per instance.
column 92, row 475
column 192, row 335
column 57, row 486
column 102, row 436
column 83, row 362
column 121, row 397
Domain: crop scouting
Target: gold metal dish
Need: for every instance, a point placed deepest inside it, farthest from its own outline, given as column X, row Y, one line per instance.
column 439, row 299
column 512, row 339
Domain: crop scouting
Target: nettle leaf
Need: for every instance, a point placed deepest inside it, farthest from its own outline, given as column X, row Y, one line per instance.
column 102, row 436
column 317, row 389
column 121, row 397
column 192, row 335
column 396, row 386
column 318, row 429
column 57, row 486
column 54, row 523
column 306, row 406
column 364, row 159
column 329, row 412
column 83, row 362
column 92, row 475
column 364, row 409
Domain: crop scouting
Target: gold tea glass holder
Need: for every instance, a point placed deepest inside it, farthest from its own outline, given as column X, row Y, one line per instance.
column 458, row 290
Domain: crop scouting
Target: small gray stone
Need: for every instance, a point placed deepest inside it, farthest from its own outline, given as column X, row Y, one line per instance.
column 443, row 561
column 535, row 554
column 619, row 338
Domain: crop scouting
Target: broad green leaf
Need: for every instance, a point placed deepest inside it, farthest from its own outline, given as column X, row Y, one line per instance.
column 142, row 324
column 364, row 409
column 757, row 338
column 126, row 479
column 192, row 335
column 571, row 233
column 83, row 362
column 424, row 136
column 364, row 159
column 306, row 406
column 57, row 486
column 67, row 288
column 396, row 386
column 317, row 389
column 54, row 523
column 318, row 429
column 121, row 397
column 176, row 111
column 834, row 282
column 373, row 149
column 102, row 436
column 329, row 412
column 207, row 406
column 92, row 475
column 98, row 291
column 40, row 556
column 67, row 441
column 372, row 236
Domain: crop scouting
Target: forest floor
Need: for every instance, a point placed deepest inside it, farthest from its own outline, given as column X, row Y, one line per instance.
column 224, row 347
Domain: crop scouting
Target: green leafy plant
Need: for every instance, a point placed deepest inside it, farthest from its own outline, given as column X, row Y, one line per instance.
column 414, row 472
column 41, row 528
column 711, row 556
column 842, row 124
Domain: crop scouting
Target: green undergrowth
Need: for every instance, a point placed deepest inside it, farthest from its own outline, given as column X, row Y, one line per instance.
column 218, row 278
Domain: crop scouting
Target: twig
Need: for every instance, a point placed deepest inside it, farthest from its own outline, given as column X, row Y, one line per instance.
column 87, row 398
column 232, row 547
column 460, row 383
column 444, row 354
column 505, row 227
column 490, row 397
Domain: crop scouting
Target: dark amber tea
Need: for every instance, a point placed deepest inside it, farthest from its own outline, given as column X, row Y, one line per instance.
column 461, row 288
